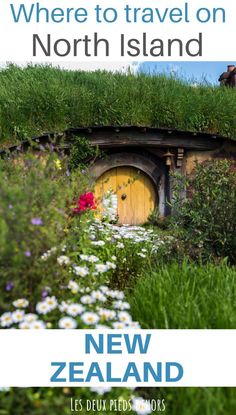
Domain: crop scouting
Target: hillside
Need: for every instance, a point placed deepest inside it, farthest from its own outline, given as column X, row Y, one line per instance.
column 37, row 99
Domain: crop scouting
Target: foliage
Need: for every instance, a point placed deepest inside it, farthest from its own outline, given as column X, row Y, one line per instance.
column 38, row 401
column 208, row 214
column 81, row 153
column 40, row 98
column 194, row 401
column 35, row 199
column 155, row 219
column 184, row 401
column 185, row 296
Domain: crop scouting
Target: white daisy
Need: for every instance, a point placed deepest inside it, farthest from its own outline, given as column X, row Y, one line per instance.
column 6, row 319
column 106, row 314
column 42, row 307
column 104, row 288
column 21, row 303
column 30, row 317
column 63, row 260
column 87, row 299
column 81, row 271
column 73, row 286
column 141, row 406
column 98, row 295
column 90, row 318
column 24, row 325
column 119, row 295
column 121, row 305
column 63, row 307
column 141, row 255
column 37, row 325
column 111, row 265
column 118, row 325
column 120, row 245
column 75, row 309
column 18, row 316
column 84, row 257
column 134, row 325
column 101, row 268
column 100, row 390
column 102, row 327
column 67, row 323
column 98, row 243
column 124, row 317
column 93, row 258
column 51, row 302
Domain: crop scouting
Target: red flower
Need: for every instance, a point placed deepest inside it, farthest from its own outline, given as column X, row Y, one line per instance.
column 85, row 201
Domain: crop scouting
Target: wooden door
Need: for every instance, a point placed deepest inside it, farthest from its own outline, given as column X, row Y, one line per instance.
column 135, row 193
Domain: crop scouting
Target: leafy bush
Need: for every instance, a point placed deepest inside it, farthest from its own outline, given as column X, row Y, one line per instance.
column 53, row 401
column 208, row 214
column 35, row 200
column 184, row 401
column 82, row 153
column 195, row 401
column 186, row 296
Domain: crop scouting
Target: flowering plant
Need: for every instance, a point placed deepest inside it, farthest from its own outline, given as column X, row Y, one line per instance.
column 109, row 206
column 85, row 201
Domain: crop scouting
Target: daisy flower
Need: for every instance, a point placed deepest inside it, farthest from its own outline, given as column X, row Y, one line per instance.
column 90, row 318
column 37, row 325
column 101, row 268
column 141, row 406
column 100, row 390
column 42, row 307
column 51, row 302
column 124, row 317
column 81, row 271
column 63, row 260
column 73, row 286
column 18, row 316
column 21, row 303
column 75, row 309
column 87, row 299
column 67, row 323
column 106, row 314
column 98, row 295
column 121, row 305
column 6, row 319
column 24, row 325
column 118, row 325
column 30, row 317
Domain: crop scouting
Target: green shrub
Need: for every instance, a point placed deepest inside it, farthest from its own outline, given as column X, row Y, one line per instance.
column 55, row 401
column 208, row 214
column 82, row 153
column 186, row 296
column 35, row 203
column 194, row 401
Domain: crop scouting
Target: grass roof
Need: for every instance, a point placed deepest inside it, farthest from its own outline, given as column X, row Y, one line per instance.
column 37, row 99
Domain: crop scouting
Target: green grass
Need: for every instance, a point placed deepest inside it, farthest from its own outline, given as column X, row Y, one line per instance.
column 186, row 296
column 38, row 99
column 195, row 401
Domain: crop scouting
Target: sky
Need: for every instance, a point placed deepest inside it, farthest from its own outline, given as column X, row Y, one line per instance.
column 194, row 72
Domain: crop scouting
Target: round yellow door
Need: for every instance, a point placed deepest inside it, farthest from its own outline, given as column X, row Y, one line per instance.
column 135, row 192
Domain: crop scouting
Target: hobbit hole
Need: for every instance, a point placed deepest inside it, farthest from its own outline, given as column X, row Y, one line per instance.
column 136, row 195
column 138, row 163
